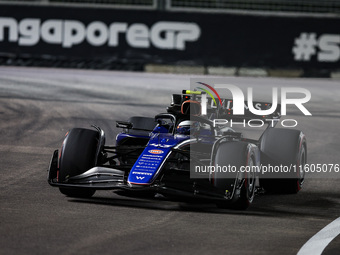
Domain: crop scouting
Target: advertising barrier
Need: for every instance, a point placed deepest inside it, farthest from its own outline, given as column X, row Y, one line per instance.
column 186, row 38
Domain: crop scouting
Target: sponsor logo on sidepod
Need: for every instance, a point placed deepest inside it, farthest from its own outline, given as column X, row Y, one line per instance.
column 155, row 151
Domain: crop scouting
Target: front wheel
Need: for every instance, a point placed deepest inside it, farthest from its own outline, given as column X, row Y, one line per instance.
column 241, row 185
column 78, row 154
column 247, row 189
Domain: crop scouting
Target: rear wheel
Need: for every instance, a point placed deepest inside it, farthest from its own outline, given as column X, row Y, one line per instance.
column 78, row 155
column 236, row 155
column 284, row 148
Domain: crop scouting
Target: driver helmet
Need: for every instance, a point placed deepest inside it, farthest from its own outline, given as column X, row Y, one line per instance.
column 187, row 126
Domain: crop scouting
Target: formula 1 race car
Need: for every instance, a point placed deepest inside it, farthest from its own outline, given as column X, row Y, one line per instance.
column 182, row 153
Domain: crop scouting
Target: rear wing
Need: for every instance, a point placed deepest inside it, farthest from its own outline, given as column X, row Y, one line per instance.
column 213, row 108
column 226, row 110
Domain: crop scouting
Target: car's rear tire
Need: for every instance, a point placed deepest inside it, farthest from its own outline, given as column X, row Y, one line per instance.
column 78, row 154
column 236, row 154
column 283, row 148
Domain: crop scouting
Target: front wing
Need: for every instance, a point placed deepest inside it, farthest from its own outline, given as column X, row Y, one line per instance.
column 104, row 178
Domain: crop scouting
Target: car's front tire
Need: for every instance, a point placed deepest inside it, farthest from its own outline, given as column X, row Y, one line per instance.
column 237, row 155
column 78, row 154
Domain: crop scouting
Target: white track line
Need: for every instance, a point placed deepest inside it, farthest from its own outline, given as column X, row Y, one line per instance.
column 320, row 240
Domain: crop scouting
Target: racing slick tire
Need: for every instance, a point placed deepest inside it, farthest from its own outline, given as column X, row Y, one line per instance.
column 77, row 156
column 235, row 154
column 283, row 148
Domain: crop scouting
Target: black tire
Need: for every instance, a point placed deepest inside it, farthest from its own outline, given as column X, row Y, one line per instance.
column 78, row 154
column 287, row 148
column 236, row 154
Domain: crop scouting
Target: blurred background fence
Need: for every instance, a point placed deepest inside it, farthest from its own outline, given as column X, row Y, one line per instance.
column 296, row 6
column 225, row 35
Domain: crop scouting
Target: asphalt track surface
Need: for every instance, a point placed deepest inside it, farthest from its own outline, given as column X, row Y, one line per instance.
column 38, row 106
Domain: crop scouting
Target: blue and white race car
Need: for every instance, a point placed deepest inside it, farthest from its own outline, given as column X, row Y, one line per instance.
column 181, row 153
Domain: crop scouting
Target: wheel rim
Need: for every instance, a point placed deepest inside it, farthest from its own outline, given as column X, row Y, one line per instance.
column 251, row 178
column 302, row 162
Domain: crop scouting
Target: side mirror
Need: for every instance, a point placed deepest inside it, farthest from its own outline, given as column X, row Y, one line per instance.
column 124, row 124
